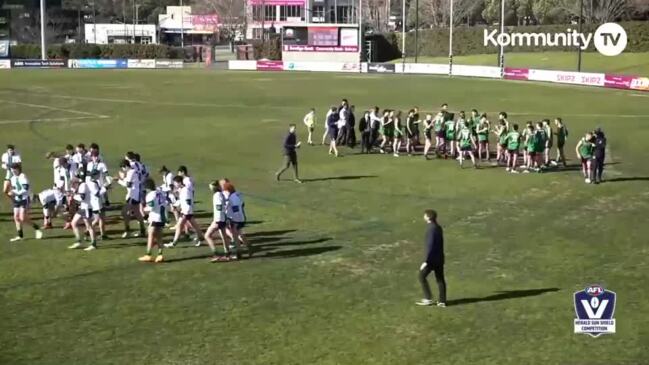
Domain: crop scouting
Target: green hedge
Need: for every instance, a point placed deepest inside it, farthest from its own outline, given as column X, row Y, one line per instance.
column 106, row 51
column 270, row 49
column 469, row 40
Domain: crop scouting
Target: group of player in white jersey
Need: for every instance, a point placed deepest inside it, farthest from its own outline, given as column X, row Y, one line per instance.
column 80, row 189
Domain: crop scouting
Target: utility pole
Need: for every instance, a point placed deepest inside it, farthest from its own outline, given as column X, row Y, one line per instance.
column 416, row 30
column 450, row 41
column 43, row 50
column 94, row 22
column 501, row 59
column 581, row 20
column 403, row 31
column 182, row 26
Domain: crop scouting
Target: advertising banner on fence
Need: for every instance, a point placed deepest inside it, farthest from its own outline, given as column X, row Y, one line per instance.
column 270, row 65
column 322, row 66
column 640, row 83
column 476, row 71
column 4, row 48
column 169, row 63
column 618, row 81
column 566, row 77
column 380, row 68
column 512, row 73
column 425, row 68
column 5, row 64
column 298, row 48
column 39, row 63
column 140, row 63
column 242, row 65
column 95, row 63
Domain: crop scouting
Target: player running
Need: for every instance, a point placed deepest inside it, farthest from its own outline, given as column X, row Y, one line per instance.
column 156, row 207
column 19, row 193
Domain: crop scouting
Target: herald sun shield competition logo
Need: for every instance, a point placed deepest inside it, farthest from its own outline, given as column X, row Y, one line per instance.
column 595, row 307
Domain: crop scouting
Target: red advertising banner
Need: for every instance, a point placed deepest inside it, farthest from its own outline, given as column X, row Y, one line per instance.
column 297, row 48
column 618, row 81
column 512, row 73
column 270, row 66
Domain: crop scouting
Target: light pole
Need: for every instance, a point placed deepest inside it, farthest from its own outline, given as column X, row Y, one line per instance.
column 501, row 60
column 94, row 22
column 403, row 31
column 133, row 36
column 417, row 30
column 43, row 50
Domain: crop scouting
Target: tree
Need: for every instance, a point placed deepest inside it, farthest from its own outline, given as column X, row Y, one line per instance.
column 231, row 15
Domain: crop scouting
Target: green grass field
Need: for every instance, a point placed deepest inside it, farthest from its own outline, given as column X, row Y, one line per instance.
column 624, row 64
column 335, row 280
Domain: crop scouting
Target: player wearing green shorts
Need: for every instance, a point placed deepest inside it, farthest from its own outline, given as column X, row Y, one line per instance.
column 438, row 129
column 541, row 142
column 530, row 144
column 466, row 143
column 562, row 135
column 386, row 129
column 482, row 130
column 398, row 133
column 547, row 128
column 585, row 149
column 449, row 137
column 513, row 144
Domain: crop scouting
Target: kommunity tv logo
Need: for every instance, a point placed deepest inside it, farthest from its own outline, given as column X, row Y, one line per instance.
column 610, row 39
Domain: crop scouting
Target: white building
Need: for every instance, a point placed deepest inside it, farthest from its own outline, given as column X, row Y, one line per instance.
column 121, row 33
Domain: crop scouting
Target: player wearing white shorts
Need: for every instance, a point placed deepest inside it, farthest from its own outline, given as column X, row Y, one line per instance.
column 219, row 205
column 96, row 170
column 88, row 195
column 157, row 204
column 52, row 201
column 9, row 158
column 236, row 215
column 130, row 179
column 19, row 193
column 185, row 204
column 79, row 160
column 167, row 187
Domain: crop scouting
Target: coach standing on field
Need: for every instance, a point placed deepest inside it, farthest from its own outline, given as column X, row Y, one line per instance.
column 433, row 261
column 290, row 154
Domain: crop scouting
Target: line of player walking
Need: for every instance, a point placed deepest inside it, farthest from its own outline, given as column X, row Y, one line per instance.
column 519, row 148
column 79, row 193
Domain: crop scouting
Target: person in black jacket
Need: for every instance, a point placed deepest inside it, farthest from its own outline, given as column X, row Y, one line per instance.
column 365, row 130
column 290, row 154
column 351, row 124
column 599, row 154
column 433, row 261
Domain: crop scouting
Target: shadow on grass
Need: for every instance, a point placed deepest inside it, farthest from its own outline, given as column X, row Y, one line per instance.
column 349, row 177
column 270, row 233
column 291, row 243
column 299, row 252
column 623, row 179
column 503, row 295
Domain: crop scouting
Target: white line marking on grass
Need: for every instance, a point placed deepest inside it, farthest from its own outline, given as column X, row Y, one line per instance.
column 55, row 108
column 641, row 95
column 45, row 120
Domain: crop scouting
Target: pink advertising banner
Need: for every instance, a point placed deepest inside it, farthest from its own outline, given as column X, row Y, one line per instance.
column 296, row 48
column 276, row 2
column 270, row 66
column 618, row 81
column 512, row 73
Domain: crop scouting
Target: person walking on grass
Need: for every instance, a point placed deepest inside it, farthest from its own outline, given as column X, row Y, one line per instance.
column 309, row 122
column 433, row 261
column 290, row 154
